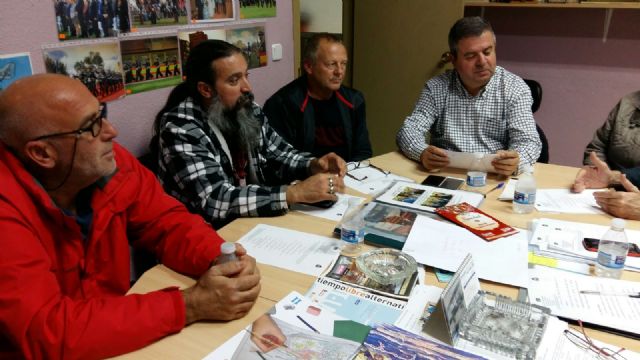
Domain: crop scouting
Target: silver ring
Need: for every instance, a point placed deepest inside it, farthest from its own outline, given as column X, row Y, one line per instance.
column 331, row 189
column 330, row 181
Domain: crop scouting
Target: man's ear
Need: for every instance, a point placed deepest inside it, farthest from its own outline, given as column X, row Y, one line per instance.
column 205, row 90
column 308, row 66
column 41, row 154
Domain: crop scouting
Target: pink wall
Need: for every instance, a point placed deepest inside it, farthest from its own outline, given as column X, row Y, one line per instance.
column 582, row 77
column 27, row 25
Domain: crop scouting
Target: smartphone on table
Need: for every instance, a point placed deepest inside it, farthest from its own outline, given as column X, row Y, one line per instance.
column 591, row 244
column 443, row 182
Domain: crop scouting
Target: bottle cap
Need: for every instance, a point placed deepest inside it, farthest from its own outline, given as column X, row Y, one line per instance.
column 618, row 223
column 228, row 248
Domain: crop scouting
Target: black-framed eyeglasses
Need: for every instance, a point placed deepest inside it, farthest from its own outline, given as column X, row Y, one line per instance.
column 581, row 340
column 351, row 166
column 94, row 127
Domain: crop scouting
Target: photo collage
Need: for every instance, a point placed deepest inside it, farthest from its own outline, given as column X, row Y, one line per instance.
column 124, row 47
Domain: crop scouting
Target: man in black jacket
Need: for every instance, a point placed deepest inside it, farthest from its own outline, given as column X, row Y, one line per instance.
column 314, row 112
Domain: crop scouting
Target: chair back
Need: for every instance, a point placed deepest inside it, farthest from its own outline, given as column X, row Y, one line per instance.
column 536, row 94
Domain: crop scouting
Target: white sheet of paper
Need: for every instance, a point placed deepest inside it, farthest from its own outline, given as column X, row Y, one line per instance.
column 374, row 181
column 462, row 160
column 333, row 213
column 509, row 190
column 556, row 346
column 444, row 245
column 292, row 250
column 560, row 292
column 564, row 201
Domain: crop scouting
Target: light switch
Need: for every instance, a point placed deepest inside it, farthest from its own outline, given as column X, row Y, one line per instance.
column 276, row 52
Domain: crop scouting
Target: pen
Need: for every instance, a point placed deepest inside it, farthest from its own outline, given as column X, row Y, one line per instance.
column 499, row 186
column 595, row 292
column 306, row 323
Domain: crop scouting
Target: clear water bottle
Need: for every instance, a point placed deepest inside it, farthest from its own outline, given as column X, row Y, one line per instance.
column 476, row 176
column 612, row 251
column 352, row 228
column 524, row 196
column 227, row 253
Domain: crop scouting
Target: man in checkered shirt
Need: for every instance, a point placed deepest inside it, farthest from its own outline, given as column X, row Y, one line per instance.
column 219, row 156
column 478, row 107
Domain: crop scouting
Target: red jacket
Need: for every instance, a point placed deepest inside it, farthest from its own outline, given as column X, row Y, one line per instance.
column 62, row 297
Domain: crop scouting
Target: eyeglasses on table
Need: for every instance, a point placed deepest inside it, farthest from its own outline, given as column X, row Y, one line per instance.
column 354, row 165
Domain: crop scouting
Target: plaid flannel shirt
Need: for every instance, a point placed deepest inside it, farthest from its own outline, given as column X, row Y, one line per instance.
column 498, row 118
column 194, row 168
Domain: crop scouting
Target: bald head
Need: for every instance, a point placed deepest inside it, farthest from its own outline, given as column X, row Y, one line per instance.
column 38, row 105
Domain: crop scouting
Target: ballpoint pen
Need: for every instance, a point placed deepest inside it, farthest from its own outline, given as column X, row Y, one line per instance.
column 603, row 293
column 499, row 186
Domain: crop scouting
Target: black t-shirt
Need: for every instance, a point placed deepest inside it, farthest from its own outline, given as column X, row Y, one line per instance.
column 330, row 132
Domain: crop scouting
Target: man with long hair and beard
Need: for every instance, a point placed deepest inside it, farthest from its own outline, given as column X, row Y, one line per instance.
column 218, row 154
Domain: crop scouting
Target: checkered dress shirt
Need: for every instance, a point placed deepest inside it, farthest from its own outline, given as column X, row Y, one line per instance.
column 499, row 117
column 194, row 168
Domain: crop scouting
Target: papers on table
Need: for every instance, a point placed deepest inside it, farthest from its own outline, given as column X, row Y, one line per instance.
column 560, row 291
column 373, row 180
column 333, row 213
column 563, row 240
column 556, row 345
column 462, row 160
column 564, row 201
column 445, row 245
column 292, row 250
column 427, row 198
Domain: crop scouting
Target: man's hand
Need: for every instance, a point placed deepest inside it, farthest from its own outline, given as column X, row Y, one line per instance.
column 621, row 204
column 595, row 177
column 433, row 158
column 315, row 188
column 506, row 162
column 330, row 163
column 224, row 292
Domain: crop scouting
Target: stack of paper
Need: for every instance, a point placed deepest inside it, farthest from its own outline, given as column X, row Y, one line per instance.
column 564, row 240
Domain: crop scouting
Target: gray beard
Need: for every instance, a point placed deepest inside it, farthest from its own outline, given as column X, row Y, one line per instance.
column 239, row 126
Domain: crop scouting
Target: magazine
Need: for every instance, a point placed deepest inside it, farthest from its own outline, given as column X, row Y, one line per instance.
column 427, row 198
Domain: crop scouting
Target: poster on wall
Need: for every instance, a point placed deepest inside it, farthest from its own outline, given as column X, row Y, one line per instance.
column 97, row 65
column 190, row 39
column 212, row 10
column 251, row 9
column 90, row 19
column 151, row 13
column 252, row 43
column 150, row 63
column 14, row 67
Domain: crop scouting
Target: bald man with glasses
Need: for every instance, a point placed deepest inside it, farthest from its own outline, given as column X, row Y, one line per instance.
column 72, row 202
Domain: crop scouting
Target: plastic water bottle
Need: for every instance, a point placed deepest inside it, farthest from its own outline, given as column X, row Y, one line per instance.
column 524, row 197
column 227, row 253
column 476, row 176
column 352, row 229
column 612, row 251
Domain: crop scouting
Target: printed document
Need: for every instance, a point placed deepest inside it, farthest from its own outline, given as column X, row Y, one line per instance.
column 564, row 201
column 292, row 250
column 444, row 245
column 595, row 300
column 427, row 198
column 371, row 181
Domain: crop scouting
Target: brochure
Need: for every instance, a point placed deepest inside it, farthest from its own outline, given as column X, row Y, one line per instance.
column 427, row 198
column 476, row 221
